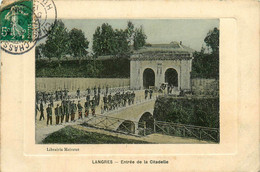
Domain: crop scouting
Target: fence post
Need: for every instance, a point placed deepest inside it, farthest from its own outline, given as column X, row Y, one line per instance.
column 154, row 125
column 144, row 127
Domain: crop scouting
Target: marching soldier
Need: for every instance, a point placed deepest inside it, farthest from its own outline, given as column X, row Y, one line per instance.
column 106, row 90
column 67, row 111
column 37, row 97
column 105, row 103
column 41, row 109
column 95, row 90
column 62, row 111
column 78, row 93
column 44, row 97
column 88, row 98
column 36, row 110
column 146, row 93
column 88, row 90
column 133, row 97
column 73, row 110
column 80, row 110
column 98, row 99
column 151, row 93
column 86, row 109
column 51, row 100
column 49, row 114
column 93, row 108
column 56, row 95
column 57, row 114
column 109, row 98
column 99, row 89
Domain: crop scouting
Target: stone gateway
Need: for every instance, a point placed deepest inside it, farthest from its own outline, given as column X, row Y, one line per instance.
column 156, row 64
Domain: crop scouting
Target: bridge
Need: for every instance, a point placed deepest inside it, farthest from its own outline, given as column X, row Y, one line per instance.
column 130, row 118
column 137, row 119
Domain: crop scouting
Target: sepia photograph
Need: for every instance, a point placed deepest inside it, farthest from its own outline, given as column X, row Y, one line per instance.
column 128, row 81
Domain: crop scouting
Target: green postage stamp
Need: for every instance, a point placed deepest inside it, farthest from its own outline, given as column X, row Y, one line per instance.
column 16, row 22
column 23, row 23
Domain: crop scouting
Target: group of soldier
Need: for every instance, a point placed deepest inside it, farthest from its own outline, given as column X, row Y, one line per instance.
column 112, row 102
column 51, row 96
column 146, row 92
column 66, row 111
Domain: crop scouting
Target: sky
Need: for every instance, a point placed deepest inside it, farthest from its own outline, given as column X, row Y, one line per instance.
column 190, row 31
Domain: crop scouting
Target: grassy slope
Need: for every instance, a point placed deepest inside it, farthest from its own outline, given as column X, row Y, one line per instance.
column 70, row 135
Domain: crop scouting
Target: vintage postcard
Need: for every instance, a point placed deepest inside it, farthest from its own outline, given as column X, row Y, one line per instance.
column 113, row 85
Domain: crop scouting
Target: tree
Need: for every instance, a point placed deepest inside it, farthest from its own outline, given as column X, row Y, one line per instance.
column 78, row 43
column 212, row 40
column 103, row 40
column 130, row 32
column 139, row 38
column 206, row 65
column 122, row 47
column 107, row 41
column 57, row 43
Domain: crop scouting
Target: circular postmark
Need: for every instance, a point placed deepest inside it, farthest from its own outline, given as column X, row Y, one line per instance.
column 46, row 12
column 19, row 28
column 25, row 23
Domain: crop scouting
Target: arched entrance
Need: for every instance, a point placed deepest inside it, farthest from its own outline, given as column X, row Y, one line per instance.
column 147, row 119
column 171, row 77
column 127, row 127
column 148, row 78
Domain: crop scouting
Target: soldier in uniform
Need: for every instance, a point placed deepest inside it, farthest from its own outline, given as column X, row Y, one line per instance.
column 146, row 93
column 62, row 111
column 133, row 97
column 44, row 97
column 67, row 110
column 37, row 97
column 78, row 93
column 98, row 99
column 57, row 114
column 93, row 108
column 106, row 90
column 88, row 98
column 109, row 98
column 86, row 108
column 36, row 110
column 49, row 114
column 73, row 110
column 80, row 110
column 105, row 103
column 88, row 90
column 95, row 90
column 41, row 109
column 151, row 93
column 56, row 95
column 51, row 101
column 99, row 89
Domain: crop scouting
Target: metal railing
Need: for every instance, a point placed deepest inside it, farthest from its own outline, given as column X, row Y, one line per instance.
column 141, row 129
column 183, row 130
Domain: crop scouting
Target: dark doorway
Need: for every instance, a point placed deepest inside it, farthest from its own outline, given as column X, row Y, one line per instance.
column 148, row 78
column 171, row 77
column 148, row 118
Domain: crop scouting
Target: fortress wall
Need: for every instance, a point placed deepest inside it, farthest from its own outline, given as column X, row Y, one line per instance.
column 72, row 84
